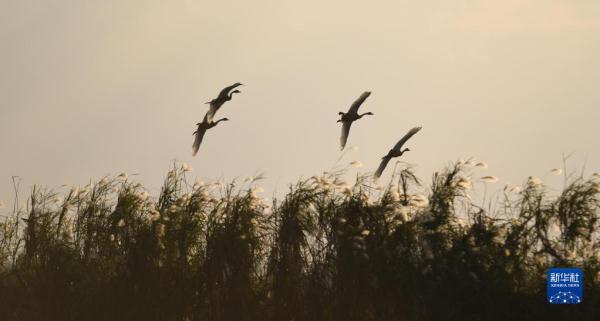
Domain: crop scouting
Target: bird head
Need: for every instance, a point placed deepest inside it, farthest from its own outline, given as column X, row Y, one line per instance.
column 369, row 113
column 236, row 92
column 406, row 150
column 225, row 119
column 238, row 84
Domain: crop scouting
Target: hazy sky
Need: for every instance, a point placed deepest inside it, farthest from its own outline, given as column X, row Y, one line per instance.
column 89, row 88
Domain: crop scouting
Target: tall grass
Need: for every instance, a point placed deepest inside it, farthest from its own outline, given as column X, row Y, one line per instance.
column 327, row 250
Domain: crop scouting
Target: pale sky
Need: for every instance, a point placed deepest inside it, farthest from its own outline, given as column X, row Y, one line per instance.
column 89, row 88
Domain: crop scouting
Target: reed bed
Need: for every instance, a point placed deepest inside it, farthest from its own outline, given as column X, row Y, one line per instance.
column 327, row 250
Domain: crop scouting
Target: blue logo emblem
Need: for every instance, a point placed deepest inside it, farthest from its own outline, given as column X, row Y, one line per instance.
column 564, row 286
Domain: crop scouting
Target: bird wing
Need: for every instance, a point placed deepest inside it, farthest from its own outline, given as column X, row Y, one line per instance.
column 212, row 110
column 345, row 131
column 225, row 91
column 198, row 140
column 406, row 137
column 216, row 103
column 359, row 101
column 382, row 165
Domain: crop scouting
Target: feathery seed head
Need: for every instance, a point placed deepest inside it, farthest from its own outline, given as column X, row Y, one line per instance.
column 356, row 164
column 198, row 185
column 143, row 195
column 464, row 183
column 342, row 185
column 467, row 162
column 347, row 191
column 461, row 222
column 172, row 173
column 402, row 214
column 154, row 215
column 534, row 181
column 160, row 229
column 186, row 168
column 489, row 179
column 216, row 184
column 514, row 189
column 419, row 201
column 482, row 164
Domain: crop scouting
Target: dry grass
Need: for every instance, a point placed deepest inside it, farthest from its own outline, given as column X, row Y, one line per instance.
column 327, row 251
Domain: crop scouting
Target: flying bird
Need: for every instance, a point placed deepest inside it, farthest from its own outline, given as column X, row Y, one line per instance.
column 397, row 151
column 202, row 128
column 351, row 116
column 224, row 96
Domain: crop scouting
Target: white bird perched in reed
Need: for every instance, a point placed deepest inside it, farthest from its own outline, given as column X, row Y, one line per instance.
column 397, row 151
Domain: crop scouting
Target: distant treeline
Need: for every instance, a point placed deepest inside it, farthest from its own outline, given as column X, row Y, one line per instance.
column 327, row 250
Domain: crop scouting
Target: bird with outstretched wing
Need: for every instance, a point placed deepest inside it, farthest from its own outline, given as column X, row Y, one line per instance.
column 224, row 96
column 352, row 115
column 396, row 151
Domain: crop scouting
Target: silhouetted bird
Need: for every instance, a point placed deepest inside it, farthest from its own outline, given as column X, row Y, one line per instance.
column 224, row 96
column 397, row 151
column 202, row 128
column 351, row 116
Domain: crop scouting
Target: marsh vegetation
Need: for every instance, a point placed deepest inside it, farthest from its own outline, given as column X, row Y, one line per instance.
column 326, row 250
